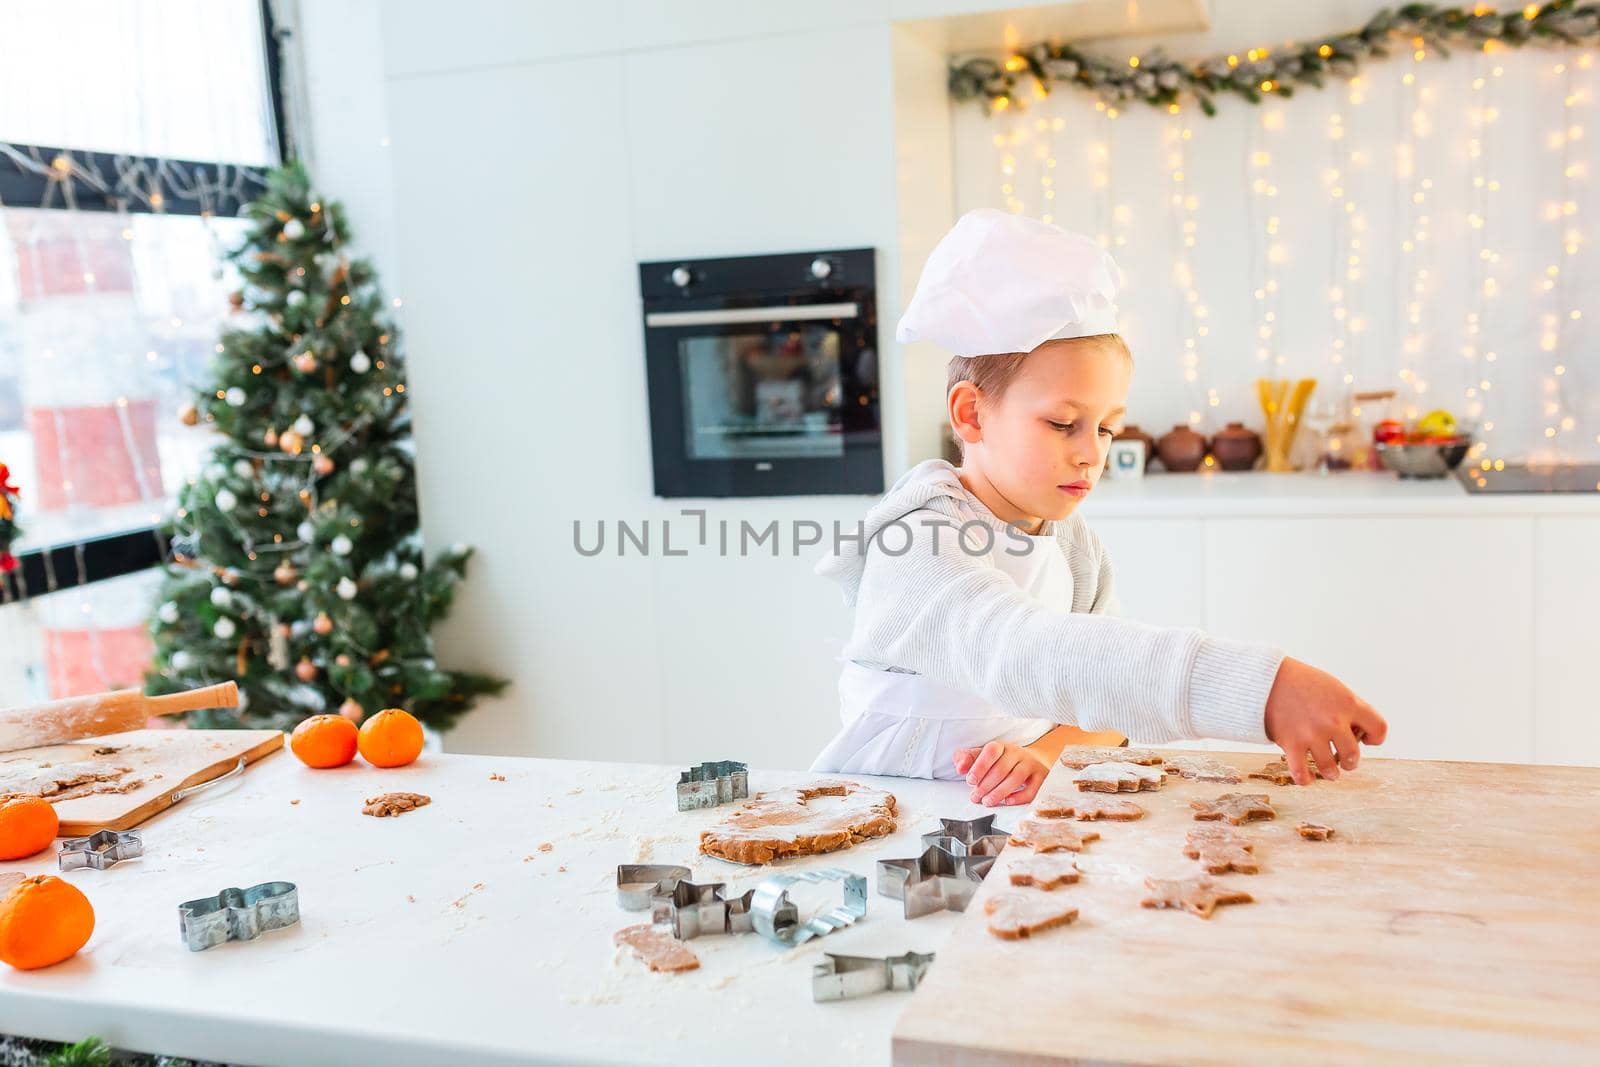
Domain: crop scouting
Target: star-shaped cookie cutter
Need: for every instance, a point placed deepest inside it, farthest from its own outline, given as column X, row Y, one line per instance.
column 777, row 918
column 638, row 884
column 99, row 850
column 968, row 837
column 238, row 914
column 937, row 880
column 711, row 784
column 693, row 910
column 843, row 977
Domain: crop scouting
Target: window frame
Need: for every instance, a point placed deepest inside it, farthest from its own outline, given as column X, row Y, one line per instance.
column 66, row 564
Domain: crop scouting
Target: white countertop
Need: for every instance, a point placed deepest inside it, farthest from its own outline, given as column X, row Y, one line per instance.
column 444, row 934
column 1225, row 494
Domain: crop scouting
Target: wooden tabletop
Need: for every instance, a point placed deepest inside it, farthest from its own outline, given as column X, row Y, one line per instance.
column 1454, row 918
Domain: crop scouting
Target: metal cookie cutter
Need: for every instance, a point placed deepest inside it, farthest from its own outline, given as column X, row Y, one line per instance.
column 778, row 919
column 711, row 784
column 238, row 914
column 934, row 881
column 693, row 910
column 99, row 850
column 640, row 883
column 969, row 837
column 842, row 977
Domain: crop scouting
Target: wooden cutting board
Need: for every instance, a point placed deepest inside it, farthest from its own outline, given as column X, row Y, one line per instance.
column 161, row 761
column 1452, row 919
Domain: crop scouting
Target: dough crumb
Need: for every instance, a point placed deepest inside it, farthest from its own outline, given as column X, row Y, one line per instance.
column 385, row 804
column 493, row 777
column 547, row 846
column 292, row 802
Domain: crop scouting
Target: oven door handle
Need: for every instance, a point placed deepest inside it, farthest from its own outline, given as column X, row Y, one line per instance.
column 732, row 316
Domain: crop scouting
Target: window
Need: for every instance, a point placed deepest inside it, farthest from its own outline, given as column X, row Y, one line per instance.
column 128, row 143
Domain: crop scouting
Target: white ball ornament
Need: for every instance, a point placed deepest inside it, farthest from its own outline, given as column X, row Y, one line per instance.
column 235, row 397
column 224, row 629
column 304, row 426
column 221, row 597
column 346, row 589
column 225, row 500
column 360, row 363
column 182, row 660
column 408, row 572
column 244, row 468
column 306, row 532
column 168, row 612
column 215, row 471
column 294, row 229
column 295, row 298
column 341, row 546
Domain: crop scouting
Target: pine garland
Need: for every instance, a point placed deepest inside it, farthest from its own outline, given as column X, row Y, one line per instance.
column 9, row 530
column 1161, row 82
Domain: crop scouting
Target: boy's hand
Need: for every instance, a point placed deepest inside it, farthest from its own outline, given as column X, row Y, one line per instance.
column 1310, row 710
column 1001, row 772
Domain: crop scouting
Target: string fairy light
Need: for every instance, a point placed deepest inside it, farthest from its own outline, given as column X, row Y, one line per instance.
column 1266, row 251
column 1192, row 311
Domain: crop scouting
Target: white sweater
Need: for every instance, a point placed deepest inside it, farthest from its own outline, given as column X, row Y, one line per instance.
column 952, row 614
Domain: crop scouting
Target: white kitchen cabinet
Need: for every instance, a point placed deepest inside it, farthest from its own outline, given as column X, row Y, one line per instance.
column 1566, row 640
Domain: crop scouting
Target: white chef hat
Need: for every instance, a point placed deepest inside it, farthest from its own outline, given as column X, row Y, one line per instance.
column 999, row 283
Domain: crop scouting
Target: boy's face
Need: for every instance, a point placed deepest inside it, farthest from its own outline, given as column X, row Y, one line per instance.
column 1045, row 440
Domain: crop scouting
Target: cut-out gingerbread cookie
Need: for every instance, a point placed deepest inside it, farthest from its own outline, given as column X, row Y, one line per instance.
column 1088, row 808
column 1314, row 831
column 1235, row 807
column 1045, row 836
column 1080, row 756
column 1201, row 769
column 1049, row 871
column 1277, row 772
column 1220, row 850
column 657, row 949
column 1198, row 896
column 1118, row 777
column 1018, row 915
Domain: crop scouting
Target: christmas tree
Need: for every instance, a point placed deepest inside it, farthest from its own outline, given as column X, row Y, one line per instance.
column 298, row 566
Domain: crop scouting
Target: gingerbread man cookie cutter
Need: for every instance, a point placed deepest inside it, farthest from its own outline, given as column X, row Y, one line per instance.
column 238, row 914
column 693, row 909
column 777, row 918
column 711, row 784
column 102, row 849
column 843, row 977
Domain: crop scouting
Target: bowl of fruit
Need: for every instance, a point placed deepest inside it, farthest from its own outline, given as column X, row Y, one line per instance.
column 1432, row 447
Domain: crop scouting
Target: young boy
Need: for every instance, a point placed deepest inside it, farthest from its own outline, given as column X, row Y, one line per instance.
column 985, row 626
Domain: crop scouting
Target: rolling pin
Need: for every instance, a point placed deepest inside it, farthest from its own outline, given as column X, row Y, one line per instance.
column 72, row 719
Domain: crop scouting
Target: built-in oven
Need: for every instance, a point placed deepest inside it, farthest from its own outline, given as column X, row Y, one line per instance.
column 763, row 374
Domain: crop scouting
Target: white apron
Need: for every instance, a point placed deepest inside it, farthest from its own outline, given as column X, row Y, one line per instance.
column 908, row 725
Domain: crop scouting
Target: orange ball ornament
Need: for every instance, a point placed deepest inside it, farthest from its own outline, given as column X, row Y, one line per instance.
column 324, row 741
column 43, row 921
column 391, row 738
column 27, row 826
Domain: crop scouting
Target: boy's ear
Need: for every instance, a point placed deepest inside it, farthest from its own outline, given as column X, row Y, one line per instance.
column 963, row 411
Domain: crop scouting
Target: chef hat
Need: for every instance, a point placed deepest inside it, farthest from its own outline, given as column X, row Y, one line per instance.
column 1000, row 283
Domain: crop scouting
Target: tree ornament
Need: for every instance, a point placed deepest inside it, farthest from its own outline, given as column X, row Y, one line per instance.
column 225, row 500
column 305, row 362
column 285, row 573
column 342, row 545
column 322, row 465
column 408, row 572
column 295, row 298
column 360, row 363
column 221, row 597
column 304, row 426
column 342, row 660
column 168, row 612
column 346, row 589
column 270, row 438
column 306, row 671
column 244, row 468
column 294, row 229
column 235, row 397
column 352, row 711
column 224, row 628
column 236, row 299
column 322, row 624
column 306, row 532
column 292, row 442
column 181, row 660
column 188, row 414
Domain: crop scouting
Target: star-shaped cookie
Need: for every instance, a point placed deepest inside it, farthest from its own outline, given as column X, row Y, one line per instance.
column 1220, row 850
column 1078, row 756
column 1089, row 808
column 1045, row 836
column 1198, row 896
column 1118, row 777
column 1045, row 872
column 1235, row 807
column 1017, row 915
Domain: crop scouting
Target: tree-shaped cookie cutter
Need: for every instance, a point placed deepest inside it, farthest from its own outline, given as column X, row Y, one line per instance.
column 693, row 910
column 711, row 784
column 777, row 918
column 102, row 849
column 843, row 977
column 238, row 914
